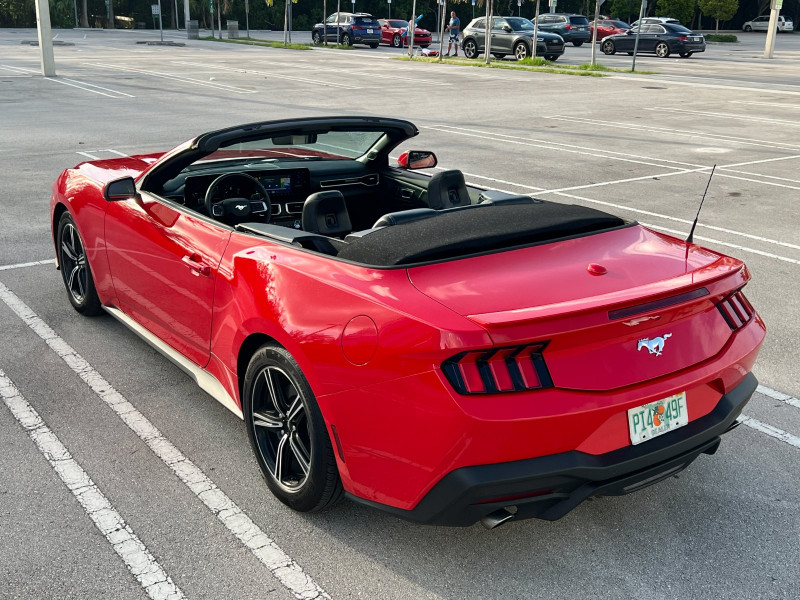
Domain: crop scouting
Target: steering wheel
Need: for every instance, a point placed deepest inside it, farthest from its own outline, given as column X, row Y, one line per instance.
column 234, row 197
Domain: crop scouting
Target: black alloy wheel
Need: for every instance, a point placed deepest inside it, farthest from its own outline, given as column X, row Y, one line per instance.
column 521, row 51
column 287, row 432
column 662, row 50
column 470, row 48
column 397, row 41
column 608, row 47
column 75, row 270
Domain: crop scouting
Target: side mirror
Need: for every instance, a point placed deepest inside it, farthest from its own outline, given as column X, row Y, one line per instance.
column 120, row 189
column 507, row 28
column 417, row 159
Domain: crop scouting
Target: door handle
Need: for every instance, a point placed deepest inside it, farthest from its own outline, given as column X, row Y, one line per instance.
column 193, row 261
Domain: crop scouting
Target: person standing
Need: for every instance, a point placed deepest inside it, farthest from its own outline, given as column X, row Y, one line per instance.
column 454, row 27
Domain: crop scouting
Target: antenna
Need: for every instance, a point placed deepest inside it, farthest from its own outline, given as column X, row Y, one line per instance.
column 697, row 216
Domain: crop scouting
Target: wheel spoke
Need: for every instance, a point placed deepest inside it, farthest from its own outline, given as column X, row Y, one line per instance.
column 261, row 419
column 300, row 452
column 68, row 251
column 275, row 392
column 279, row 452
column 75, row 274
column 295, row 410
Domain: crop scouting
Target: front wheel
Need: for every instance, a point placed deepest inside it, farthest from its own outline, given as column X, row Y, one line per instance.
column 316, row 38
column 346, row 40
column 686, row 54
column 397, row 41
column 662, row 50
column 748, row 28
column 608, row 47
column 470, row 48
column 287, row 432
column 75, row 269
column 521, row 51
column 577, row 44
column 551, row 57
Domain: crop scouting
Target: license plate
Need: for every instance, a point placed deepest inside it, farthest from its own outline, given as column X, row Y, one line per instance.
column 657, row 418
column 695, row 39
column 369, row 30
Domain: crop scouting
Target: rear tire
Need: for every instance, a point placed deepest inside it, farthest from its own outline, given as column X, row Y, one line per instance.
column 577, row 44
column 551, row 57
column 608, row 47
column 662, row 50
column 748, row 28
column 686, row 54
column 75, row 270
column 287, row 432
column 374, row 45
column 397, row 41
column 470, row 48
column 346, row 41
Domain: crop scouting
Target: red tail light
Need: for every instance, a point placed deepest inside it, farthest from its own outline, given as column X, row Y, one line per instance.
column 736, row 310
column 509, row 369
column 569, row 26
column 683, row 38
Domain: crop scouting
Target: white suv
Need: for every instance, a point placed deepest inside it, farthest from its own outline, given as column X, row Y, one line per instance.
column 762, row 24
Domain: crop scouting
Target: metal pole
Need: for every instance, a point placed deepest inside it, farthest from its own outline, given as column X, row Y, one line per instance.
column 487, row 44
column 160, row 21
column 411, row 28
column 441, row 34
column 75, row 7
column 769, row 46
column 638, row 31
column 211, row 4
column 186, row 15
column 594, row 30
column 338, row 16
column 247, row 17
column 535, row 31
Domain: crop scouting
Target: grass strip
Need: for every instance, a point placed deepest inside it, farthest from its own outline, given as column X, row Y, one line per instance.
column 254, row 42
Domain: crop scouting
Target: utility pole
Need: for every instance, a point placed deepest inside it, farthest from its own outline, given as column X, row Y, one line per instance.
column 45, row 38
column 774, row 10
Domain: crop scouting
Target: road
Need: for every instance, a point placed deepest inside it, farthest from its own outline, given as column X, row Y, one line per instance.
column 124, row 436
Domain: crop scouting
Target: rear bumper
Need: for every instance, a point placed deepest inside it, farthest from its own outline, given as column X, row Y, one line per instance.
column 549, row 487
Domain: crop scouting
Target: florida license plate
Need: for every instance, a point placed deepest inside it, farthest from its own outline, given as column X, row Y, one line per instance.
column 657, row 418
column 369, row 30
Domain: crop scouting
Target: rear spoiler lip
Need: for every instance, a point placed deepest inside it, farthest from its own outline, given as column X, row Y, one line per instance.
column 721, row 277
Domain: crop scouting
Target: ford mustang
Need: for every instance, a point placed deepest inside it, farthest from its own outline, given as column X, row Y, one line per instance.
column 446, row 353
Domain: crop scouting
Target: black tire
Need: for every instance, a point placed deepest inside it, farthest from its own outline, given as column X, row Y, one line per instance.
column 75, row 270
column 499, row 55
column 608, row 47
column 346, row 41
column 577, row 44
column 287, row 432
column 521, row 51
column 470, row 48
column 662, row 49
column 551, row 57
column 630, row 53
column 748, row 28
column 397, row 41
column 316, row 38
column 686, row 54
column 374, row 45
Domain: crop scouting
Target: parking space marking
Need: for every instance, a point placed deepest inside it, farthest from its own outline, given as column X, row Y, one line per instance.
column 274, row 74
column 684, row 132
column 137, row 558
column 751, row 236
column 82, row 85
column 682, row 234
column 92, row 154
column 34, row 263
column 281, row 565
column 670, row 79
column 211, row 84
column 703, row 113
column 770, row 104
column 776, row 395
column 20, row 72
column 778, row 434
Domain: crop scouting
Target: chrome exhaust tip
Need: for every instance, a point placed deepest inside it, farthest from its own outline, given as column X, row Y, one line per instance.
column 497, row 518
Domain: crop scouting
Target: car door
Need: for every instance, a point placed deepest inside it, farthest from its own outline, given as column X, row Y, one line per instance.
column 386, row 31
column 163, row 260
column 479, row 34
column 501, row 36
column 330, row 28
column 760, row 23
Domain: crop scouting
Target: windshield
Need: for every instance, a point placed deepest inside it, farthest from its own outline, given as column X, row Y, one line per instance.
column 398, row 24
column 333, row 145
column 519, row 24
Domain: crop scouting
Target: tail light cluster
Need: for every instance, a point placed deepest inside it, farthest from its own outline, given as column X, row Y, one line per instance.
column 736, row 310
column 508, row 369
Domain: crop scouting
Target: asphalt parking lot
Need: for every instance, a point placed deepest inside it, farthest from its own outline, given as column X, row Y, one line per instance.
column 641, row 146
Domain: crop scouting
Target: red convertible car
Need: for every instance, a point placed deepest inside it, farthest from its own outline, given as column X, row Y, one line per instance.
column 446, row 353
column 393, row 31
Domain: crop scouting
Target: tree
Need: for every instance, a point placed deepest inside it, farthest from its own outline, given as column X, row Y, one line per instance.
column 683, row 10
column 719, row 9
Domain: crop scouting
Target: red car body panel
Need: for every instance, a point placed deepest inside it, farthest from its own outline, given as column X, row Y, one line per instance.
column 605, row 29
column 422, row 37
column 372, row 341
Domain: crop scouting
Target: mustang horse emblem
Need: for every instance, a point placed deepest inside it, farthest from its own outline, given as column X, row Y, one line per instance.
column 654, row 346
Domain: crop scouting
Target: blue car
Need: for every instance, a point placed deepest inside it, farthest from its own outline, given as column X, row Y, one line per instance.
column 353, row 28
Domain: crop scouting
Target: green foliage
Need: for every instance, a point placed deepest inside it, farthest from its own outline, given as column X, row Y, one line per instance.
column 627, row 10
column 722, row 37
column 719, row 9
column 683, row 10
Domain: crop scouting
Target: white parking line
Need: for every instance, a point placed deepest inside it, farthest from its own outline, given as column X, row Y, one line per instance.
column 35, row 263
column 778, row 434
column 82, row 85
column 317, row 82
column 137, row 558
column 770, row 104
column 217, row 86
column 764, row 89
column 282, row 566
column 748, row 118
column 776, row 395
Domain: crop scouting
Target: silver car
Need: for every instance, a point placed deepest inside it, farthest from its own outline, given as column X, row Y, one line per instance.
column 762, row 24
column 510, row 35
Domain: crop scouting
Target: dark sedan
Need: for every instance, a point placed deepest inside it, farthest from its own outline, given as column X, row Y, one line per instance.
column 662, row 39
column 510, row 35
